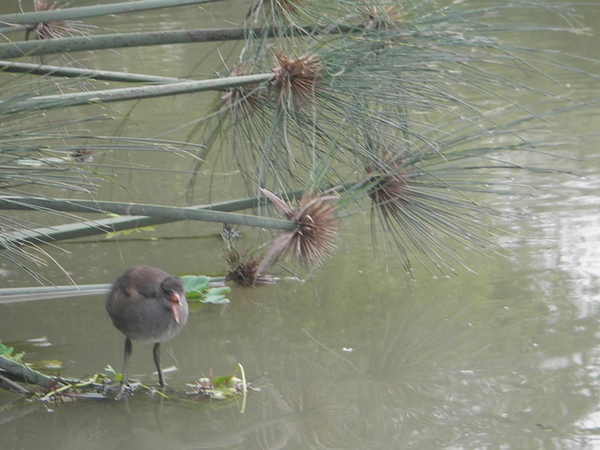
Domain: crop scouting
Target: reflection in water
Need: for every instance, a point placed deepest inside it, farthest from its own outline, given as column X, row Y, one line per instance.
column 568, row 272
column 491, row 365
column 311, row 416
column 438, row 373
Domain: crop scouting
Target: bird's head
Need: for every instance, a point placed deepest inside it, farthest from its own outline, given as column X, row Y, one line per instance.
column 174, row 294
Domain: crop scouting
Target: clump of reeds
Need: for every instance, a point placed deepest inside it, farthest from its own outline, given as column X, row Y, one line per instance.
column 433, row 82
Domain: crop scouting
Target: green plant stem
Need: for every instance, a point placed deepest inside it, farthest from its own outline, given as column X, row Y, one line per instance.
column 121, row 40
column 170, row 213
column 102, row 226
column 29, row 294
column 164, row 213
column 132, row 93
column 59, row 14
column 25, row 373
column 10, row 385
column 74, row 72
column 95, row 227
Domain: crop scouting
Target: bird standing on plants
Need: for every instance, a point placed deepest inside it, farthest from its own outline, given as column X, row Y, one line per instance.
column 148, row 305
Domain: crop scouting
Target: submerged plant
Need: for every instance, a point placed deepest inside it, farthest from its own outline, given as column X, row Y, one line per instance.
column 404, row 78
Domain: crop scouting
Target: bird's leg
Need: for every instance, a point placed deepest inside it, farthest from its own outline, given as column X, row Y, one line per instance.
column 125, row 380
column 161, row 378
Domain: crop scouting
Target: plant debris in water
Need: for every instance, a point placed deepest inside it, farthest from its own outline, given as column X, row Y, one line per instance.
column 243, row 270
column 101, row 385
column 219, row 388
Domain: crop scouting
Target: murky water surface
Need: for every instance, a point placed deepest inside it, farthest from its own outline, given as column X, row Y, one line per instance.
column 356, row 356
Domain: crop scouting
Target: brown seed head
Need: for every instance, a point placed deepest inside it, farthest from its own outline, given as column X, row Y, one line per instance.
column 44, row 5
column 57, row 28
column 296, row 80
column 49, row 30
column 240, row 98
column 389, row 189
column 315, row 235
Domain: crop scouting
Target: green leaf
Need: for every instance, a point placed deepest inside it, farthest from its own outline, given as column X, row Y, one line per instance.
column 216, row 295
column 215, row 299
column 197, row 288
column 110, row 370
column 224, row 380
column 219, row 290
column 5, row 351
column 8, row 352
column 195, row 285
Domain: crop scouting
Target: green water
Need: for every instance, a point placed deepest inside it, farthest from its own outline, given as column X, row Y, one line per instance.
column 356, row 356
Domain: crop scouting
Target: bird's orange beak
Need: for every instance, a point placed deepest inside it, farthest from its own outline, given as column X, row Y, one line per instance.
column 175, row 303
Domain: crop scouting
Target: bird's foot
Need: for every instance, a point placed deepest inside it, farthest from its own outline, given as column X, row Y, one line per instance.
column 124, row 389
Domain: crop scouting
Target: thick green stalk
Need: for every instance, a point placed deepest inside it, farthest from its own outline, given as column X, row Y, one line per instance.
column 157, row 214
column 95, row 227
column 122, row 40
column 33, row 18
column 30, row 294
column 22, row 371
column 75, row 72
column 132, row 93
column 132, row 209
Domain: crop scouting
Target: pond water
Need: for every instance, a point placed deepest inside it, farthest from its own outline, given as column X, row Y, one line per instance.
column 355, row 356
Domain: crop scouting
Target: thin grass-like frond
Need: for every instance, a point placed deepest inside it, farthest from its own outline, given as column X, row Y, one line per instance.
column 417, row 106
column 42, row 156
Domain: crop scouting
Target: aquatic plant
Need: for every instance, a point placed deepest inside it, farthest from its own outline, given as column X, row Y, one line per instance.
column 413, row 109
